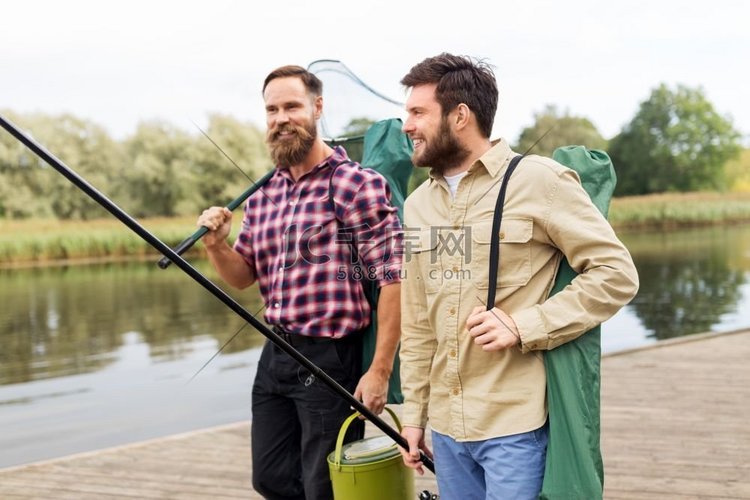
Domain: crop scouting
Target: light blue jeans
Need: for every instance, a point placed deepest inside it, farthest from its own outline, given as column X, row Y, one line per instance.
column 507, row 468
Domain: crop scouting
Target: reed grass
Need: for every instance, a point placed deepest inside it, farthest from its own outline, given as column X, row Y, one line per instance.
column 44, row 241
column 675, row 210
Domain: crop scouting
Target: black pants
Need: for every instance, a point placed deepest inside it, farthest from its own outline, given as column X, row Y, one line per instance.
column 296, row 418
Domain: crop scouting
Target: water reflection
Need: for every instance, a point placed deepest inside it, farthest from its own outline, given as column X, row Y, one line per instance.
column 690, row 279
column 65, row 321
column 70, row 320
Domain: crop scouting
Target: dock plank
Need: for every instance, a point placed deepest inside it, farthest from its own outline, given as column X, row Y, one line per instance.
column 673, row 427
column 674, row 419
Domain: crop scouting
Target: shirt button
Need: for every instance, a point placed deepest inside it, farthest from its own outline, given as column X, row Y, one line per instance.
column 455, row 392
column 452, row 311
column 291, row 203
column 452, row 353
column 502, row 235
column 281, row 269
column 276, row 305
column 456, row 269
column 456, row 227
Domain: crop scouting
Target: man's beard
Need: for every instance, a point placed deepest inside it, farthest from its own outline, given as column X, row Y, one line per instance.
column 441, row 152
column 289, row 151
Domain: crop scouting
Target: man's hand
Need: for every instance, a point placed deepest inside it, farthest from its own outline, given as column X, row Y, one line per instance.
column 218, row 221
column 372, row 390
column 231, row 266
column 492, row 330
column 415, row 437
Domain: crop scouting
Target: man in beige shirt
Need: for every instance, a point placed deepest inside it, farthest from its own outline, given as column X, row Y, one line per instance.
column 476, row 374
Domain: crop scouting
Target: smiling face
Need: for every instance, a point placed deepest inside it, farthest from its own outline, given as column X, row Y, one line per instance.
column 291, row 112
column 435, row 144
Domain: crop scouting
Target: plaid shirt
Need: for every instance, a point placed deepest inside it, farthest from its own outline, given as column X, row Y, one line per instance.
column 302, row 255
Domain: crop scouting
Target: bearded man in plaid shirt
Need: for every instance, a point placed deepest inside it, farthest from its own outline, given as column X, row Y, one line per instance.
column 299, row 246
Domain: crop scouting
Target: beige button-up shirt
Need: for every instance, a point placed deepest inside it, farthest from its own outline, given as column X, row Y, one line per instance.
column 467, row 393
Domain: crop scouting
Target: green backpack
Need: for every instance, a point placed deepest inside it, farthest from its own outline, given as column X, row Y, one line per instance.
column 574, row 468
column 387, row 150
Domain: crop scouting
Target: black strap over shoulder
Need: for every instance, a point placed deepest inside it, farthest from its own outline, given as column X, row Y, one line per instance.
column 494, row 239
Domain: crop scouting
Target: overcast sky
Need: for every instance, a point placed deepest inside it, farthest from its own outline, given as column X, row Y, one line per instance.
column 119, row 62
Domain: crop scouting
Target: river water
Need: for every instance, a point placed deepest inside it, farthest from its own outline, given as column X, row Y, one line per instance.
column 101, row 355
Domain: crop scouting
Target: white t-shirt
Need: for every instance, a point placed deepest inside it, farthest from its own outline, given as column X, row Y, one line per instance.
column 453, row 181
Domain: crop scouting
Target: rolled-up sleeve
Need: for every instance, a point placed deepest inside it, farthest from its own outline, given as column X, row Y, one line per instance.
column 376, row 229
column 243, row 245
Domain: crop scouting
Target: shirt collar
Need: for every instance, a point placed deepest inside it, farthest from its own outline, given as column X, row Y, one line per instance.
column 335, row 159
column 493, row 161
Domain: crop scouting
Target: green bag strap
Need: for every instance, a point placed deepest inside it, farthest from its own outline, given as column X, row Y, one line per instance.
column 574, row 467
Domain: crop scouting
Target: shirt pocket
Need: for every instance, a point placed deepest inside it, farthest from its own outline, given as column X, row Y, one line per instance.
column 313, row 235
column 515, row 238
column 425, row 251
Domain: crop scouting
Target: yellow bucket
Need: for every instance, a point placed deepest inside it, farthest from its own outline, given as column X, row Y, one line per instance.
column 369, row 469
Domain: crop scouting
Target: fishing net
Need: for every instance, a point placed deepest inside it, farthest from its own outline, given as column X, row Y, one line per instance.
column 351, row 105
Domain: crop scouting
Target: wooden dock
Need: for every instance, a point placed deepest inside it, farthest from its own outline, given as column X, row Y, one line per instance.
column 675, row 419
column 673, row 427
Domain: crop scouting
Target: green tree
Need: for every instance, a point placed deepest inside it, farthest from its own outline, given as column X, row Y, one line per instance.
column 737, row 172
column 156, row 177
column 173, row 172
column 676, row 142
column 214, row 180
column 561, row 130
column 17, row 200
column 31, row 188
column 357, row 126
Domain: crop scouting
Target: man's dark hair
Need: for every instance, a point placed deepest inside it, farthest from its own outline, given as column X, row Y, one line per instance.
column 312, row 82
column 459, row 79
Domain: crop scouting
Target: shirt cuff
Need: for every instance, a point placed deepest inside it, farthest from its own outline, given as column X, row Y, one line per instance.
column 531, row 329
column 414, row 415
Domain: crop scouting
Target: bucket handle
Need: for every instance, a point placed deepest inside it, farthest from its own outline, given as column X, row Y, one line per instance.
column 345, row 426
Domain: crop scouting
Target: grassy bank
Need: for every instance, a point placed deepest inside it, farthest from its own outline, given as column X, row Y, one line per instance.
column 675, row 210
column 44, row 241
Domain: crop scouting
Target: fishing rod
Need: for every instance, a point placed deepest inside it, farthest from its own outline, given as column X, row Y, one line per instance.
column 188, row 242
column 217, row 292
column 191, row 240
